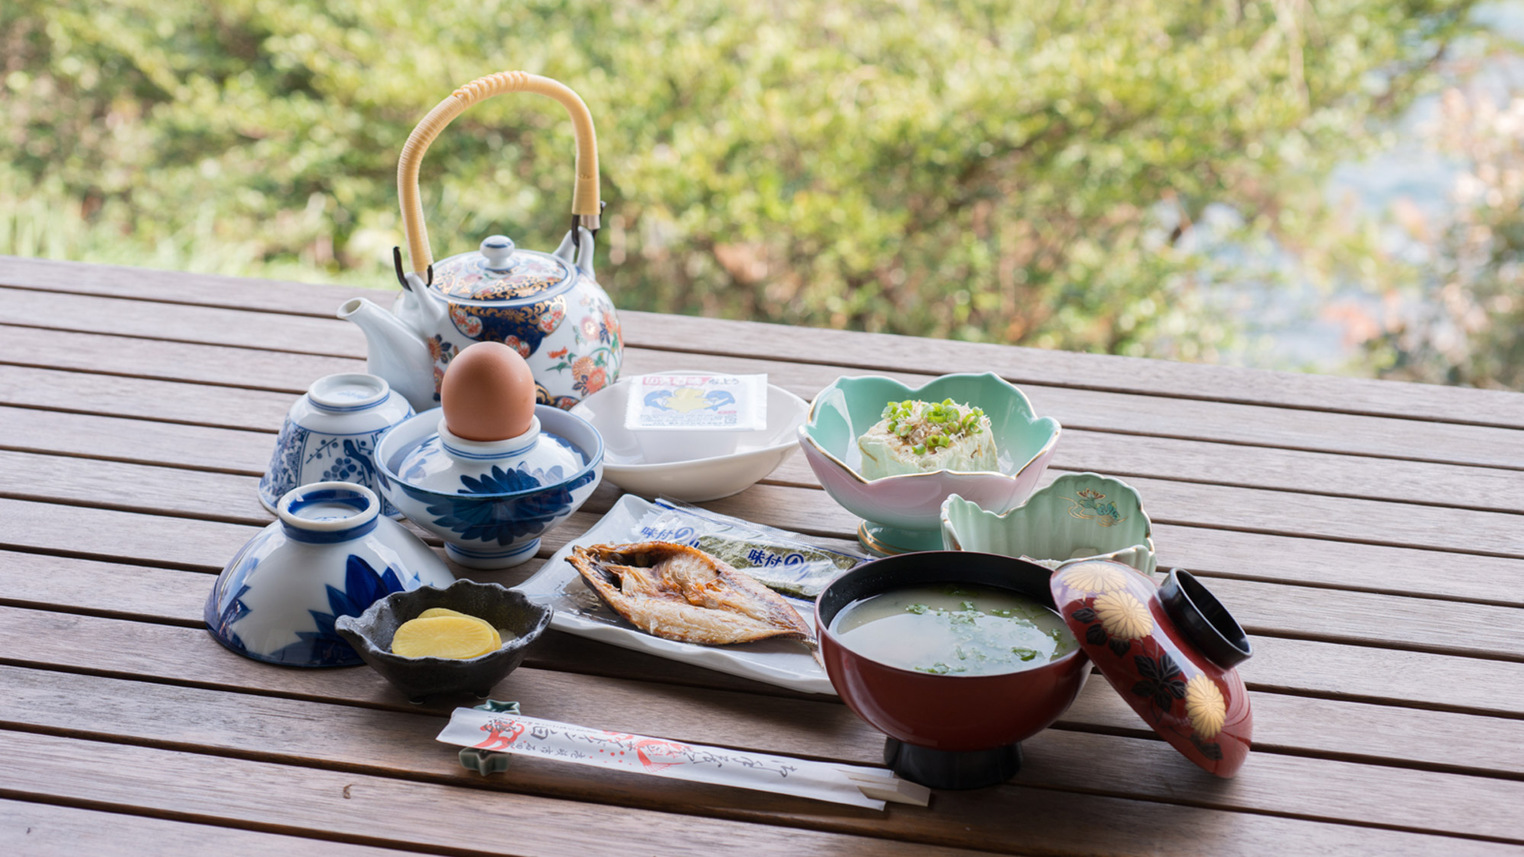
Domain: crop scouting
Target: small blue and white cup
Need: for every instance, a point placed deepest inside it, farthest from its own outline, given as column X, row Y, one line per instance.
column 330, row 435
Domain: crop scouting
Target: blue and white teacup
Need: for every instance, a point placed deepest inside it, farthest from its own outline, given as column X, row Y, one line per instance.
column 330, row 435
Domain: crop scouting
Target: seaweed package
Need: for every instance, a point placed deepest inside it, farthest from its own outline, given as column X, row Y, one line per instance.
column 776, row 558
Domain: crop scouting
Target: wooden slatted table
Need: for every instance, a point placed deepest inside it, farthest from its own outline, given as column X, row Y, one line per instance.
column 1370, row 537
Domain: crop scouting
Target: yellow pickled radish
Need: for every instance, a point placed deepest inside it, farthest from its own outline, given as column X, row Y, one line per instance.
column 459, row 637
column 497, row 640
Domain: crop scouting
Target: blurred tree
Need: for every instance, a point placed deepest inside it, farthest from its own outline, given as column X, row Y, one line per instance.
column 1026, row 171
column 1454, row 302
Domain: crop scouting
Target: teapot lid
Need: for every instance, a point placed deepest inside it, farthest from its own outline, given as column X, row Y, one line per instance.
column 502, row 273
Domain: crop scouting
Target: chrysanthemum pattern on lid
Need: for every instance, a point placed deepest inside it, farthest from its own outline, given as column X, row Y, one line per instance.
column 1094, row 577
column 1123, row 616
column 1205, row 707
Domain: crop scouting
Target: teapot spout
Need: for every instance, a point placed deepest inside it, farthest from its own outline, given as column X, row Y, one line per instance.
column 394, row 351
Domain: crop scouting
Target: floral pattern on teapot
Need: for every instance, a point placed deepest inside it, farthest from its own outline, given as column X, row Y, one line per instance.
column 583, row 356
column 592, row 360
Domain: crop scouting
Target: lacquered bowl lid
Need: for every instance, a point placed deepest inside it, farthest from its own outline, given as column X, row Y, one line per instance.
column 1169, row 650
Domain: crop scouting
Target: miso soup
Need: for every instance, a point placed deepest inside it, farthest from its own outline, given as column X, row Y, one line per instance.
column 953, row 630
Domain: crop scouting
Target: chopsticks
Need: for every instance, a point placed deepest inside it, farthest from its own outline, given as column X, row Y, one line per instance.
column 506, row 731
column 882, row 784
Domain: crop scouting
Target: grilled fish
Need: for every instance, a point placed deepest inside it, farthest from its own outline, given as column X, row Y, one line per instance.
column 681, row 593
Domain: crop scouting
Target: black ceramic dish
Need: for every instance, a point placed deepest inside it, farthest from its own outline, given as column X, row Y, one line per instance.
column 509, row 611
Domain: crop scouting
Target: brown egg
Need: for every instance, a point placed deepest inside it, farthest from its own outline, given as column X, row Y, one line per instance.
column 487, row 393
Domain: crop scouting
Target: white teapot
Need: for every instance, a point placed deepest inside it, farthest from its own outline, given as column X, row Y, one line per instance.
column 547, row 306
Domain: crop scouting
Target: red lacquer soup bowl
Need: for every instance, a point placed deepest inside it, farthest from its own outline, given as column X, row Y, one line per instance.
column 947, row 731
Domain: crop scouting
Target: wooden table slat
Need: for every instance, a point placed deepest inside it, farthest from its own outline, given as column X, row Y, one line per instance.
column 29, row 827
column 371, row 809
column 341, row 345
column 1282, row 610
column 1391, row 677
column 155, row 441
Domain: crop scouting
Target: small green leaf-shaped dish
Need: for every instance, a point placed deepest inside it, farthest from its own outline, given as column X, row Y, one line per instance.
column 1080, row 515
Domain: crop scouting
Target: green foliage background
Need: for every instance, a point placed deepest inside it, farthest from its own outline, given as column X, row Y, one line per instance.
column 1025, row 171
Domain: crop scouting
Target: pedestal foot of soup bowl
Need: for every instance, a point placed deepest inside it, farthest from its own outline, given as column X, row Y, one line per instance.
column 945, row 769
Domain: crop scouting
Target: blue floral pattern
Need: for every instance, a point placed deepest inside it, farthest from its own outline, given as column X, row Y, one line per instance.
column 222, row 612
column 526, row 325
column 344, row 459
column 220, row 619
column 353, row 464
column 284, row 472
column 362, row 587
column 322, row 646
column 509, row 519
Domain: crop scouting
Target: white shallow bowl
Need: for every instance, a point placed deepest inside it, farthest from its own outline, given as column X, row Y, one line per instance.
column 757, row 453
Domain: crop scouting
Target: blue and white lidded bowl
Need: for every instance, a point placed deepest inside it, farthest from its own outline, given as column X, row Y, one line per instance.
column 490, row 501
column 330, row 435
column 330, row 554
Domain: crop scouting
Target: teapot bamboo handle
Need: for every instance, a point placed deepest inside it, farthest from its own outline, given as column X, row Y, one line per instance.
column 585, row 203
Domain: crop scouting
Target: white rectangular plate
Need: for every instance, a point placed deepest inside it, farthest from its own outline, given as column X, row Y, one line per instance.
column 578, row 610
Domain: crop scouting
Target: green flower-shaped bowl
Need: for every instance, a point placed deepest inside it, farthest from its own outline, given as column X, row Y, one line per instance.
column 1080, row 515
column 903, row 512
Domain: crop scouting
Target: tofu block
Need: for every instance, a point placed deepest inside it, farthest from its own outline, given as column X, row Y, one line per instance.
column 922, row 437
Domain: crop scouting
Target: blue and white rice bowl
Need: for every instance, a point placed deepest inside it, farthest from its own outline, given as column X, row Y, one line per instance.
column 496, row 520
column 330, row 554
